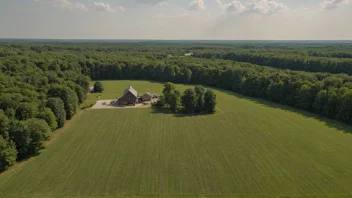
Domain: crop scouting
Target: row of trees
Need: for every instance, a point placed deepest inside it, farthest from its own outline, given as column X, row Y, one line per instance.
column 284, row 61
column 197, row 100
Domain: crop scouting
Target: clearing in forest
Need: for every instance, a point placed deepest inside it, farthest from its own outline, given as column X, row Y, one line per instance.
column 249, row 148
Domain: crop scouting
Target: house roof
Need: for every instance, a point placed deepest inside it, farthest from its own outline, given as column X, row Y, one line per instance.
column 131, row 90
column 149, row 94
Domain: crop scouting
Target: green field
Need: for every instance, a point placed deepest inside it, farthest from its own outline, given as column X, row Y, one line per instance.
column 249, row 148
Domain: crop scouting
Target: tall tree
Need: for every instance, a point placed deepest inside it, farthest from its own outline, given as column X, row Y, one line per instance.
column 49, row 117
column 200, row 91
column 189, row 101
column 209, row 101
column 174, row 101
column 8, row 153
column 187, row 75
column 68, row 96
column 98, row 87
column 57, row 106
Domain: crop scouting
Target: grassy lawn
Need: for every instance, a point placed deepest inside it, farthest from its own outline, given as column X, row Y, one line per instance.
column 249, row 148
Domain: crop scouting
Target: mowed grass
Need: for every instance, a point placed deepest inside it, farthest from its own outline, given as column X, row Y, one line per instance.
column 249, row 148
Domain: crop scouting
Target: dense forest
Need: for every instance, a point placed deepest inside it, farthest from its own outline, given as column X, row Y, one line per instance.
column 316, row 62
column 43, row 83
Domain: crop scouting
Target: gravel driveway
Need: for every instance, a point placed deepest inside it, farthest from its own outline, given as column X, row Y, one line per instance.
column 105, row 104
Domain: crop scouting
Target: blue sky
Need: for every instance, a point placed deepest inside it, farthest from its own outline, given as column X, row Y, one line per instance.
column 177, row 19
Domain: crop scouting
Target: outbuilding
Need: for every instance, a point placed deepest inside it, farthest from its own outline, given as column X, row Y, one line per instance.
column 147, row 97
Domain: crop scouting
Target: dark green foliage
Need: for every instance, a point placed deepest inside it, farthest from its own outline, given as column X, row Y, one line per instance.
column 4, row 124
column 345, row 109
column 192, row 100
column 171, row 98
column 68, row 96
column 332, row 102
column 209, row 101
column 98, row 87
column 8, row 153
column 160, row 102
column 174, row 100
column 10, row 112
column 19, row 134
column 49, row 117
column 281, row 59
column 29, row 136
column 187, row 75
column 81, row 94
column 58, row 108
column 26, row 111
column 40, row 132
column 200, row 91
column 320, row 101
column 189, row 101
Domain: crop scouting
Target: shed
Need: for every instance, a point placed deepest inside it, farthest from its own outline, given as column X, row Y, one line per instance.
column 129, row 97
column 147, row 97
column 91, row 89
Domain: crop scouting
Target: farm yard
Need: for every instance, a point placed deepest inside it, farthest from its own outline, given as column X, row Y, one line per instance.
column 106, row 104
column 249, row 148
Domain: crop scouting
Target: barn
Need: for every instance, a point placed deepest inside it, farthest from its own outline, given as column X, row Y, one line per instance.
column 147, row 97
column 129, row 97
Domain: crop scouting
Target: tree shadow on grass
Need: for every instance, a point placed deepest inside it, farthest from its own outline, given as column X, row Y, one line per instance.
column 327, row 121
column 157, row 110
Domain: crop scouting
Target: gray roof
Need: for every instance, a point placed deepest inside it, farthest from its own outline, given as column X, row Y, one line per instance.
column 149, row 94
column 131, row 90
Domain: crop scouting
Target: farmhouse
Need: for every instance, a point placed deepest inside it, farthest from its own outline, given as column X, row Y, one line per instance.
column 129, row 97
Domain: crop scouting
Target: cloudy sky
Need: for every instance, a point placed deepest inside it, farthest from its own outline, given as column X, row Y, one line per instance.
column 177, row 19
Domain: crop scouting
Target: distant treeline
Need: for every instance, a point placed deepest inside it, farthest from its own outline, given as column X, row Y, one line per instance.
column 285, row 61
column 41, row 85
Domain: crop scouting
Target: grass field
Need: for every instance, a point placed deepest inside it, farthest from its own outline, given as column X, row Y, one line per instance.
column 249, row 148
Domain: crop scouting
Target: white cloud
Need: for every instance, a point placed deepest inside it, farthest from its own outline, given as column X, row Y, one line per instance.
column 149, row 2
column 266, row 7
column 236, row 7
column 332, row 4
column 197, row 5
column 122, row 9
column 162, row 3
column 260, row 7
column 69, row 5
column 105, row 7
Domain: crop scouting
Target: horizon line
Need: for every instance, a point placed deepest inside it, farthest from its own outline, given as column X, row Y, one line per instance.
column 150, row 39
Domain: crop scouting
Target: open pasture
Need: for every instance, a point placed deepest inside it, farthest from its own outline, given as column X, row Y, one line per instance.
column 249, row 148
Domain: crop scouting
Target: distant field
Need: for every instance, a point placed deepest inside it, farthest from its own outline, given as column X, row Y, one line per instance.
column 249, row 148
